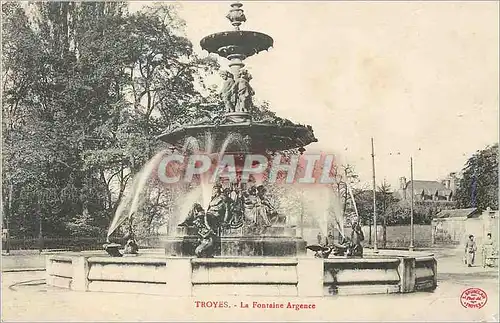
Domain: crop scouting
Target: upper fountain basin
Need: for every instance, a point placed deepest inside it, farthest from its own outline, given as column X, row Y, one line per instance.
column 262, row 136
column 239, row 42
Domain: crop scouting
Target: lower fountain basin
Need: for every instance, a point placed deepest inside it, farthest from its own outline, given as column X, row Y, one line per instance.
column 265, row 246
column 389, row 271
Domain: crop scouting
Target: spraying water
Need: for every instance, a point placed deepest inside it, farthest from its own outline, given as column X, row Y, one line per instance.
column 353, row 200
column 185, row 202
column 320, row 203
column 134, row 199
column 206, row 187
column 338, row 214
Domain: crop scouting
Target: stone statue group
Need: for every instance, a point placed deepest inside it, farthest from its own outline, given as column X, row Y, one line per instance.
column 230, row 208
column 350, row 247
column 237, row 93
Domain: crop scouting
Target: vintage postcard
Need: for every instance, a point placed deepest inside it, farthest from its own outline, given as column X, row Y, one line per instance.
column 250, row 161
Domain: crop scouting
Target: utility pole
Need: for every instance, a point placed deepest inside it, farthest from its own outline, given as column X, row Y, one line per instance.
column 411, row 207
column 374, row 202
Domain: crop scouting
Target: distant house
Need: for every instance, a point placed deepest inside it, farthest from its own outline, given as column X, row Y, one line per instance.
column 456, row 225
column 432, row 191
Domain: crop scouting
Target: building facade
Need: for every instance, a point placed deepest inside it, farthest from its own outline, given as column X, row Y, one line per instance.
column 454, row 226
column 428, row 191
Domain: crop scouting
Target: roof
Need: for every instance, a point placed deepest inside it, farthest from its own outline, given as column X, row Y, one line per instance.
column 429, row 188
column 458, row 213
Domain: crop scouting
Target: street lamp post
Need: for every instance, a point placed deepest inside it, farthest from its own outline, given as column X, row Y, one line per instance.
column 411, row 206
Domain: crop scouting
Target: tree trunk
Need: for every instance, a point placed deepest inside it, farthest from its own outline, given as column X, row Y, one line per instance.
column 7, row 220
column 370, row 231
column 384, row 232
column 40, row 232
column 384, row 225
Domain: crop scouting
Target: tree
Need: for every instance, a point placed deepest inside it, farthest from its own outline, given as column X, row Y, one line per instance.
column 345, row 178
column 87, row 86
column 478, row 185
column 386, row 199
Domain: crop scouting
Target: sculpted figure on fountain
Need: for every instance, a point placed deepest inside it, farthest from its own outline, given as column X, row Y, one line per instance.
column 131, row 246
column 357, row 236
column 228, row 91
column 265, row 211
column 206, row 234
column 244, row 91
column 206, row 224
column 230, row 208
column 259, row 211
column 196, row 211
column 235, row 207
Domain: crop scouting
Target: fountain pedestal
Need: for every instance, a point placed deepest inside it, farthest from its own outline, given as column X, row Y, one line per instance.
column 237, row 117
column 275, row 242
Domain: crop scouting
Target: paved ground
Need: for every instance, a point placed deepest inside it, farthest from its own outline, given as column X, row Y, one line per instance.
column 26, row 297
column 23, row 259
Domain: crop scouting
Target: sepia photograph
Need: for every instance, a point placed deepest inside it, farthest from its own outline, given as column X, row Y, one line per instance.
column 250, row 161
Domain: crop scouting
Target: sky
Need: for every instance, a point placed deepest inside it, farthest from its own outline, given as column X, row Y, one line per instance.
column 421, row 78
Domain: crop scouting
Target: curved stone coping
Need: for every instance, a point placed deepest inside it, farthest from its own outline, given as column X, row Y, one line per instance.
column 425, row 258
column 129, row 260
column 361, row 260
column 397, row 253
column 246, row 261
column 155, row 257
column 90, row 253
column 63, row 258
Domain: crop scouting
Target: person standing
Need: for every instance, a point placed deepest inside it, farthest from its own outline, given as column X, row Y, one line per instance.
column 470, row 251
column 488, row 250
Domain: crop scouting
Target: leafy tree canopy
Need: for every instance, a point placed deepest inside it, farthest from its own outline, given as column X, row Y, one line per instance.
column 478, row 185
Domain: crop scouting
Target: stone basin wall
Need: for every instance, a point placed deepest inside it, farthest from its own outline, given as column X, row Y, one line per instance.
column 243, row 276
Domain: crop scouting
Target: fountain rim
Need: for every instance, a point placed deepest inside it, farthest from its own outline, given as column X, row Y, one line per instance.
column 295, row 136
column 207, row 42
column 247, row 125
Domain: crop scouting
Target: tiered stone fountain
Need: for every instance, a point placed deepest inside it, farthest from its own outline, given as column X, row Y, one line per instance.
column 238, row 254
column 239, row 133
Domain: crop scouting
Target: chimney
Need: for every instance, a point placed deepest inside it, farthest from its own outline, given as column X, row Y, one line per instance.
column 402, row 183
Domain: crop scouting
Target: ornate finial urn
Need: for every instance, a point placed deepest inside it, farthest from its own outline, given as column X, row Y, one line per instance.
column 236, row 44
column 236, row 15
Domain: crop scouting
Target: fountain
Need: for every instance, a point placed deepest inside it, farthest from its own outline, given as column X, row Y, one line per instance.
column 233, row 227
column 239, row 132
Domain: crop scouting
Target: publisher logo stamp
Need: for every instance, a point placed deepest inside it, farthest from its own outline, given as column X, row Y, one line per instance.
column 473, row 298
